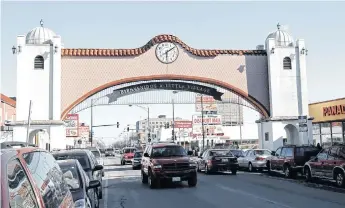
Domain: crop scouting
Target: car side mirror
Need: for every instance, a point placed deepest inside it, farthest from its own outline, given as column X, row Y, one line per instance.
column 98, row 167
column 273, row 153
column 190, row 153
column 94, row 184
column 146, row 154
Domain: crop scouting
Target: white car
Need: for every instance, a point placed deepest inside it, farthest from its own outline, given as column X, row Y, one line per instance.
column 95, row 151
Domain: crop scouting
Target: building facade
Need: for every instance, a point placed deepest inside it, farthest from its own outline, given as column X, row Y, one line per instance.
column 328, row 122
column 8, row 113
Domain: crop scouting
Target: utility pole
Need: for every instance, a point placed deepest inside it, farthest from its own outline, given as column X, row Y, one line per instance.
column 202, row 123
column 173, row 124
column 91, row 122
column 29, row 122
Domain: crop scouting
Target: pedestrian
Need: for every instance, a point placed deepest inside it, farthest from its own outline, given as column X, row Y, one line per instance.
column 319, row 146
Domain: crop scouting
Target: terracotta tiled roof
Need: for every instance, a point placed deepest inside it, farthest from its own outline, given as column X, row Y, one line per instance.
column 8, row 100
column 150, row 44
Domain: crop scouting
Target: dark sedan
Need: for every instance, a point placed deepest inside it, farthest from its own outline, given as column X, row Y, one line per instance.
column 83, row 190
column 87, row 160
column 214, row 160
column 136, row 162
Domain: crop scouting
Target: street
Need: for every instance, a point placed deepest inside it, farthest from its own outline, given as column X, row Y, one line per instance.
column 123, row 189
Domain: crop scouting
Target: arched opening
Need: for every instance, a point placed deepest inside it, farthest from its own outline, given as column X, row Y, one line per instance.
column 287, row 63
column 292, row 136
column 39, row 62
column 111, row 86
column 39, row 137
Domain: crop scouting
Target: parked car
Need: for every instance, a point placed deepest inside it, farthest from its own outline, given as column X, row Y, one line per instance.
column 290, row 159
column 127, row 155
column 83, row 190
column 109, row 152
column 87, row 160
column 136, row 162
column 214, row 160
column 35, row 172
column 254, row 159
column 237, row 152
column 97, row 153
column 16, row 144
column 329, row 164
column 167, row 162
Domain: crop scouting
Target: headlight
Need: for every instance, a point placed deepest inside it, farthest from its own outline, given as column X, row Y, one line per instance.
column 192, row 164
column 80, row 203
column 157, row 166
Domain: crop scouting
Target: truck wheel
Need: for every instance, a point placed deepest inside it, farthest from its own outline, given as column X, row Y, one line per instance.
column 192, row 181
column 339, row 178
column 307, row 174
column 144, row 178
column 153, row 182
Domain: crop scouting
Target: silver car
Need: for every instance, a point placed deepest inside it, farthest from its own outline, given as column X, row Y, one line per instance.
column 255, row 159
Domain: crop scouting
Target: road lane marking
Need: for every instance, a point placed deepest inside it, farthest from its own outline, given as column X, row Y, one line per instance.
column 105, row 196
column 253, row 196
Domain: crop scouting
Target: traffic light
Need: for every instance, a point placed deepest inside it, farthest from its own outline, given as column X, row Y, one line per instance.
column 117, row 124
column 127, row 128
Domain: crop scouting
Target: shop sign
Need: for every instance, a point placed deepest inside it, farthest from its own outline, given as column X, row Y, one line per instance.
column 334, row 110
column 72, row 124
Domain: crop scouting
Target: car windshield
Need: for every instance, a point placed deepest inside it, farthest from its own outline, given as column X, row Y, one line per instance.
column 109, row 150
column 129, row 150
column 262, row 152
column 83, row 159
column 237, row 153
column 168, row 151
column 70, row 173
column 221, row 153
column 96, row 153
column 138, row 154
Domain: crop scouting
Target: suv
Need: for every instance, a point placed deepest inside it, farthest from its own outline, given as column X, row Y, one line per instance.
column 87, row 160
column 290, row 159
column 109, row 152
column 30, row 177
column 127, row 155
column 167, row 162
column 328, row 164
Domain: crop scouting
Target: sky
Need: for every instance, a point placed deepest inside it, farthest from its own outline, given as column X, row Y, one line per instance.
column 206, row 25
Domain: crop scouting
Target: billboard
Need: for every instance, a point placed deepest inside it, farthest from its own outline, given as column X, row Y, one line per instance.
column 183, row 124
column 208, row 119
column 209, row 130
column 208, row 103
column 72, row 124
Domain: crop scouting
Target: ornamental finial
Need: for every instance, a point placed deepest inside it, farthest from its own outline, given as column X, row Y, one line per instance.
column 41, row 22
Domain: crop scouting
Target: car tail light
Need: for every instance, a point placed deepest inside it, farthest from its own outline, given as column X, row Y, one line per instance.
column 209, row 162
column 260, row 158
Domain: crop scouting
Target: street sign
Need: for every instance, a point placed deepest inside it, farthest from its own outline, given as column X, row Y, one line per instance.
column 303, row 127
column 302, row 119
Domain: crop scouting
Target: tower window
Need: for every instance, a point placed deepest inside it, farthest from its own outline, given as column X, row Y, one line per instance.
column 287, row 63
column 39, row 62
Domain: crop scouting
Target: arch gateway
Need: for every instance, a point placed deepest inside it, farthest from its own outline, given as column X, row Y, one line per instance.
column 57, row 80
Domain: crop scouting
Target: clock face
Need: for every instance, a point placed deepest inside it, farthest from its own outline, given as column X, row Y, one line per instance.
column 167, row 52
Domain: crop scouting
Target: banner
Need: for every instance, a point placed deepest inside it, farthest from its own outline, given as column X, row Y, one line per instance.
column 72, row 124
column 208, row 119
column 183, row 124
column 209, row 130
column 208, row 103
column 180, row 86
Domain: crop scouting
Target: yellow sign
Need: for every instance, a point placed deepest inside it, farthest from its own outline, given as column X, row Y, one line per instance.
column 333, row 110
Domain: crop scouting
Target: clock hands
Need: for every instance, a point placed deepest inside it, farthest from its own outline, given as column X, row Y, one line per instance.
column 166, row 52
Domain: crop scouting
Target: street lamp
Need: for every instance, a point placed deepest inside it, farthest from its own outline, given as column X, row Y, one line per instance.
column 147, row 109
column 202, row 121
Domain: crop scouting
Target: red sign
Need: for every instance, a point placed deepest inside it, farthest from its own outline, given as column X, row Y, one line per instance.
column 183, row 124
column 72, row 124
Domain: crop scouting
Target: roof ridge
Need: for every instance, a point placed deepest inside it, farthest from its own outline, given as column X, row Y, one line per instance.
column 8, row 100
column 153, row 41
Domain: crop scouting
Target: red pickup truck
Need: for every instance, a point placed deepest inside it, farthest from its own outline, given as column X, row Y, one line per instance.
column 127, row 155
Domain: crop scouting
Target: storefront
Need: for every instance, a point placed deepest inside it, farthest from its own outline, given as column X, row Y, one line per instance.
column 329, row 121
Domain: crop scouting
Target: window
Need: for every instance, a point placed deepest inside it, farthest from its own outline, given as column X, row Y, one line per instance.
column 19, row 188
column 300, row 151
column 267, row 136
column 48, row 177
column 334, row 151
column 39, row 62
column 323, row 154
column 288, row 152
column 278, row 152
column 287, row 63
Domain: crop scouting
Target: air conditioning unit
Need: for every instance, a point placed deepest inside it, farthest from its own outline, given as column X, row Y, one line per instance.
column 260, row 47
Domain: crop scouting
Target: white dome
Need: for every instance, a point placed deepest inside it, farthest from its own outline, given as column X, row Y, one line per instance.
column 39, row 35
column 282, row 38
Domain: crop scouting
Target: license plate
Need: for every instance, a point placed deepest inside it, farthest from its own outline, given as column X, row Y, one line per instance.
column 224, row 160
column 176, row 179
